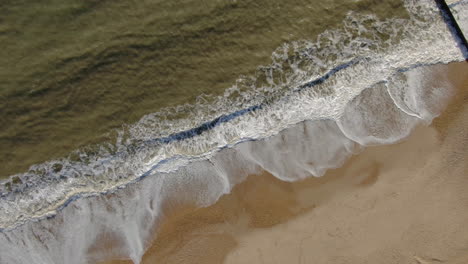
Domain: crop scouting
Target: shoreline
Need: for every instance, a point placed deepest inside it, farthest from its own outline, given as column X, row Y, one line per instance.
column 96, row 173
column 188, row 134
column 263, row 209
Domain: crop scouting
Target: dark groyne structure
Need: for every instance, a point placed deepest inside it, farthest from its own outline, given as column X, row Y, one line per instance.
column 453, row 26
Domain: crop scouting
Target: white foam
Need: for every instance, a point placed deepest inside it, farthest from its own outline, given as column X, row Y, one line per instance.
column 295, row 135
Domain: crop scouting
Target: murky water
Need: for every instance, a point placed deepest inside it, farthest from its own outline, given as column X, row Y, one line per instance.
column 71, row 72
column 112, row 110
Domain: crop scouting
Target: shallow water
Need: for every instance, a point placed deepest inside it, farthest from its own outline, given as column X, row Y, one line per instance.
column 72, row 72
column 319, row 100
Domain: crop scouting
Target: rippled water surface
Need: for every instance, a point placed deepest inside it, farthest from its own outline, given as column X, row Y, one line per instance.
column 111, row 110
column 71, row 72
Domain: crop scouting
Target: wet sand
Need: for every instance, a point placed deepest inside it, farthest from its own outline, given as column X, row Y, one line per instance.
column 402, row 203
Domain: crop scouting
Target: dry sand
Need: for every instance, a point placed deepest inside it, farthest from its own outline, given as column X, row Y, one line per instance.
column 403, row 203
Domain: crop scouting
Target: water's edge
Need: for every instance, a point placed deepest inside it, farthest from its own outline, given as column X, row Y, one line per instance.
column 316, row 127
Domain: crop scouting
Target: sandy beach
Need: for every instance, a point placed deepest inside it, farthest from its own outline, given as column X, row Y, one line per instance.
column 402, row 203
column 256, row 131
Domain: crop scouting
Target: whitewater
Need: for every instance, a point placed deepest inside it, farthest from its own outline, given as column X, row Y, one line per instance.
column 319, row 102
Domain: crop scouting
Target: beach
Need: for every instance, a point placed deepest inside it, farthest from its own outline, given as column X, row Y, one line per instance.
column 233, row 132
column 402, row 203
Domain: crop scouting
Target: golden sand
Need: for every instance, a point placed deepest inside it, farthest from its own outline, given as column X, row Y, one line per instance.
column 402, row 203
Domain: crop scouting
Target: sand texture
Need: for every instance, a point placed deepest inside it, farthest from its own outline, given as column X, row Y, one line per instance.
column 402, row 203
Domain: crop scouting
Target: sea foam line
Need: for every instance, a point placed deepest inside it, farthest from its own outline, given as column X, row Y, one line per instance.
column 188, row 134
column 136, row 205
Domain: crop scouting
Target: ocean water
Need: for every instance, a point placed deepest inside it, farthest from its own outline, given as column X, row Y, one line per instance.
column 71, row 73
column 369, row 79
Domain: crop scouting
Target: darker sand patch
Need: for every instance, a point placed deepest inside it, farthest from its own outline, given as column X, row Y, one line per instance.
column 371, row 175
column 458, row 75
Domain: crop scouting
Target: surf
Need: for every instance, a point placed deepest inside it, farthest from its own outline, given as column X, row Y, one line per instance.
column 319, row 103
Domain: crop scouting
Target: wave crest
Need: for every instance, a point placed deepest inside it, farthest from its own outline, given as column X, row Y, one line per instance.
column 283, row 120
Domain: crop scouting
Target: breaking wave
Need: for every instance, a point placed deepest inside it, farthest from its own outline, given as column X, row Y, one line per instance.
column 318, row 103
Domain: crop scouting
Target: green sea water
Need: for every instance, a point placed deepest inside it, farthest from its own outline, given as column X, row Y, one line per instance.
column 73, row 71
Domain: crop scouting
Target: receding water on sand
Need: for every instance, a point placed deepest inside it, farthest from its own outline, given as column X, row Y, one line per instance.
column 322, row 99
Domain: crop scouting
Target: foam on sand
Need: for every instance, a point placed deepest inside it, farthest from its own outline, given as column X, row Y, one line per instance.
column 287, row 127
